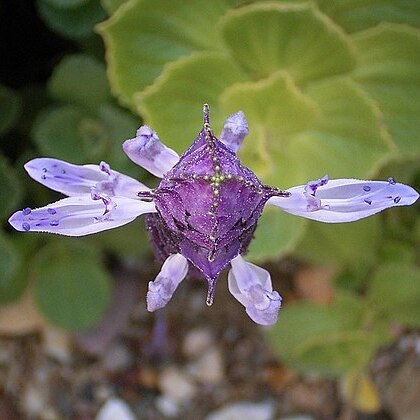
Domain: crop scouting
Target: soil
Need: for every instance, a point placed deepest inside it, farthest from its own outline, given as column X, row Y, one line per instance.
column 186, row 362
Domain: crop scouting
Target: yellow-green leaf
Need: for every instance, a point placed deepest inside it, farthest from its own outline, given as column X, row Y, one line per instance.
column 143, row 35
column 359, row 390
column 266, row 37
column 173, row 104
column 389, row 71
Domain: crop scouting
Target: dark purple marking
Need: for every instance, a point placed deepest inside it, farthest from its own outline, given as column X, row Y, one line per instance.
column 392, row 181
column 397, row 199
column 368, row 201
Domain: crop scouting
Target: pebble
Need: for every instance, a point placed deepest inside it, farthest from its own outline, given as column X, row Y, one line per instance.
column 56, row 344
column 34, row 400
column 209, row 367
column 167, row 406
column 117, row 358
column 115, row 409
column 244, row 411
column 177, row 385
column 196, row 341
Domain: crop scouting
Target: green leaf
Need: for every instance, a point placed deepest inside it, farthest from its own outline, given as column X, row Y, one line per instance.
column 395, row 289
column 111, row 6
column 80, row 80
column 326, row 339
column 66, row 4
column 356, row 15
column 10, row 262
column 10, row 108
column 173, row 104
column 56, row 134
column 18, row 249
column 397, row 251
column 142, row 36
column 275, row 102
column 350, row 125
column 10, row 188
column 337, row 353
column 388, row 71
column 353, row 276
column 277, row 234
column 119, row 125
column 130, row 241
column 275, row 109
column 271, row 36
column 354, row 243
column 72, row 288
column 73, row 23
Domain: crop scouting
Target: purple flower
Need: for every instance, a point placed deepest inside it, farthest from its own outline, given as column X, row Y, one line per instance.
column 203, row 214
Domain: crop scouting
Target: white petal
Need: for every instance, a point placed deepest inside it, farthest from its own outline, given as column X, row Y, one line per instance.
column 148, row 151
column 173, row 271
column 251, row 286
column 72, row 180
column 346, row 200
column 78, row 216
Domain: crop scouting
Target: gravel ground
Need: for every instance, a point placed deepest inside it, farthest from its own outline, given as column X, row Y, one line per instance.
column 190, row 362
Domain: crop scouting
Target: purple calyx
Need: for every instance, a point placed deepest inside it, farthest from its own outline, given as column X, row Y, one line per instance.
column 208, row 207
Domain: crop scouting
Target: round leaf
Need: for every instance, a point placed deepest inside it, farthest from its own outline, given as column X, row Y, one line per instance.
column 271, row 36
column 72, row 288
column 277, row 234
column 356, row 15
column 81, row 80
column 10, row 108
column 388, row 71
column 74, row 23
column 142, row 36
column 395, row 290
column 9, row 262
column 354, row 243
column 66, row 133
column 350, row 125
column 10, row 188
column 173, row 104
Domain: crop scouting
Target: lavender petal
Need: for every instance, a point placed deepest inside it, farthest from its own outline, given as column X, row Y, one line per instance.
column 251, row 286
column 160, row 292
column 78, row 216
column 234, row 131
column 73, row 180
column 148, row 151
column 345, row 200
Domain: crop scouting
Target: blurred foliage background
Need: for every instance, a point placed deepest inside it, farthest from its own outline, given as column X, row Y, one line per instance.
column 328, row 87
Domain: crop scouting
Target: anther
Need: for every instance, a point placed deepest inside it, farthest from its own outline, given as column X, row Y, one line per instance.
column 26, row 226
column 397, row 199
column 366, row 188
column 392, row 181
column 52, row 211
column 26, row 211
